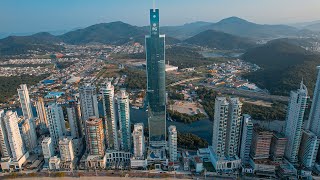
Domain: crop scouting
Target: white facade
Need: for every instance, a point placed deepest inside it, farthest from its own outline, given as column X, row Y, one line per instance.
column 138, row 141
column 4, row 142
column 54, row 163
column 173, row 139
column 47, row 149
column 314, row 117
column 220, row 126
column 88, row 102
column 124, row 120
column 294, row 122
column 29, row 134
column 233, row 127
column 56, row 123
column 109, row 112
column 25, row 101
column 66, row 150
column 308, row 148
column 246, row 139
column 14, row 136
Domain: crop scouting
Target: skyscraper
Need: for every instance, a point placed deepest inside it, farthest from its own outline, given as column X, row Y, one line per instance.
column 95, row 136
column 246, row 139
column 40, row 107
column 47, row 149
column 109, row 113
column 14, row 137
column 74, row 118
column 29, row 134
column 261, row 143
column 56, row 123
column 25, row 102
column 4, row 142
column 88, row 101
column 124, row 120
column 294, row 122
column 308, row 148
column 138, row 141
column 156, row 91
column 173, row 140
column 66, row 150
column 314, row 117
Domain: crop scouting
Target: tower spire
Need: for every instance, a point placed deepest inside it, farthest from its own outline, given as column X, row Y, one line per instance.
column 154, row 4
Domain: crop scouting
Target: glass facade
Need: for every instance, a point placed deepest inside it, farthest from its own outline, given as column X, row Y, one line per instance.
column 156, row 93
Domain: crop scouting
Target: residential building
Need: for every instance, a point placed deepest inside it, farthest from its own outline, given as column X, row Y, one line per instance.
column 66, row 153
column 47, row 149
column 74, row 118
column 95, row 136
column 25, row 101
column 29, row 134
column 111, row 133
column 156, row 86
column 88, row 102
column 308, row 149
column 54, row 163
column 4, row 141
column 294, row 122
column 172, row 144
column 261, row 143
column 138, row 141
column 41, row 112
column 314, row 117
column 56, row 123
column 278, row 146
column 246, row 139
column 124, row 120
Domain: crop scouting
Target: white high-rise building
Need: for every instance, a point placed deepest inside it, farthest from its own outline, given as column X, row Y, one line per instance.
column 4, row 142
column 29, row 134
column 294, row 122
column 220, row 126
column 107, row 92
column 74, row 118
column 314, row 117
column 308, row 149
column 88, row 102
column 66, row 150
column 246, row 139
column 233, row 127
column 138, row 141
column 25, row 102
column 172, row 143
column 41, row 111
column 47, row 149
column 124, row 120
column 14, row 137
column 56, row 123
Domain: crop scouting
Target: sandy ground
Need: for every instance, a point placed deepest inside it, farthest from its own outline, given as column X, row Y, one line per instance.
column 186, row 107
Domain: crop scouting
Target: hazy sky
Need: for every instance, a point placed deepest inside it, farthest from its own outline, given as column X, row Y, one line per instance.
column 49, row 15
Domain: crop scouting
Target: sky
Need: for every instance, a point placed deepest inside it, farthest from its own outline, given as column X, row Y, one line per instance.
column 21, row 16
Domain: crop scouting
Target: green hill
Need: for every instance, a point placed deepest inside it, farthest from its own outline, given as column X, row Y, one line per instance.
column 220, row 40
column 283, row 65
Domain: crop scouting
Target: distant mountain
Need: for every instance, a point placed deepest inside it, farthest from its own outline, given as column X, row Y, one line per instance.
column 14, row 45
column 220, row 40
column 283, row 64
column 109, row 33
column 313, row 27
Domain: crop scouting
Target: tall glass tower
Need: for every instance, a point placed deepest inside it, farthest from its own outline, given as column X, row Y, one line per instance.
column 156, row 92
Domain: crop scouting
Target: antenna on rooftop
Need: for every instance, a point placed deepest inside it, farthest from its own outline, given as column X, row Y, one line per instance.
column 154, row 4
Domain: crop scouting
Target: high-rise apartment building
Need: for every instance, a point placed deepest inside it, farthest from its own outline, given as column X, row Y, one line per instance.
column 74, row 118
column 4, row 142
column 173, row 143
column 25, row 102
column 107, row 91
column 156, row 88
column 124, row 120
column 308, row 148
column 88, row 102
column 138, row 141
column 261, row 143
column 95, row 136
column 41, row 112
column 13, row 134
column 246, row 139
column 29, row 134
column 294, row 122
column 47, row 149
column 56, row 123
column 66, row 150
column 278, row 146
column 314, row 117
